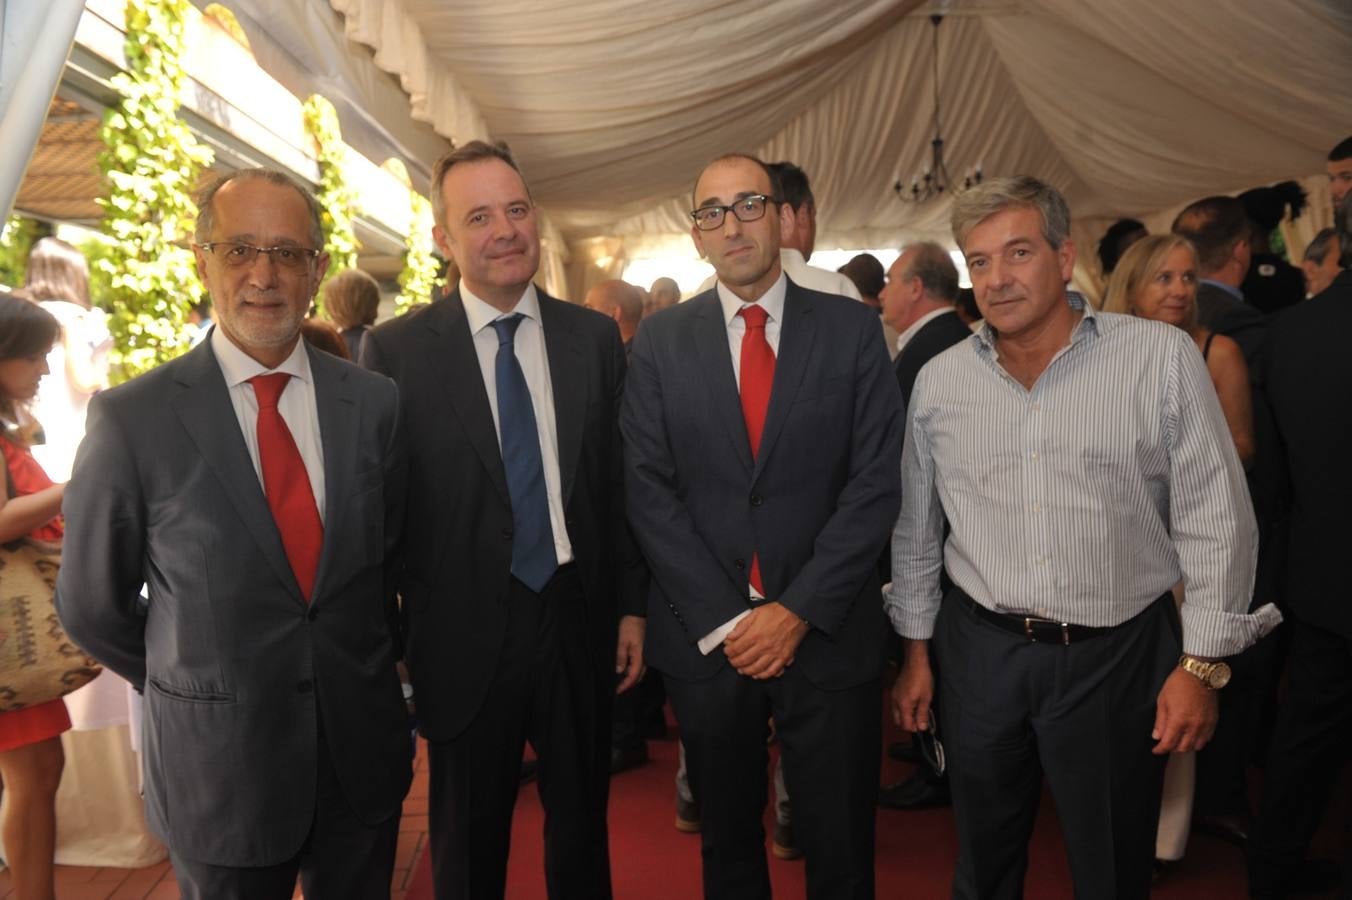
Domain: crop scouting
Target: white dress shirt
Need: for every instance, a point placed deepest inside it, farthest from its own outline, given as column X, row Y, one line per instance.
column 296, row 404
column 772, row 301
column 914, row 328
column 529, row 345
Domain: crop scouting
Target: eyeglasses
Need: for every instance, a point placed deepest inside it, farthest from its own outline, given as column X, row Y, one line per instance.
column 746, row 209
column 931, row 748
column 237, row 255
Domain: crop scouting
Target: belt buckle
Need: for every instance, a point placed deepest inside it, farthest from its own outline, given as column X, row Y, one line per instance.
column 1032, row 636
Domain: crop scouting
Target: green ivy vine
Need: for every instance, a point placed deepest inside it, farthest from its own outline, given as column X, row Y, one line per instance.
column 17, row 238
column 150, row 163
column 337, row 199
column 419, row 275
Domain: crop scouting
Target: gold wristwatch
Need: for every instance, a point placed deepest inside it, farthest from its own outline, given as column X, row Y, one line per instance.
column 1214, row 675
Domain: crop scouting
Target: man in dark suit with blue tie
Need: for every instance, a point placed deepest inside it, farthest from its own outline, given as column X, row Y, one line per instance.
column 762, row 428
column 517, row 559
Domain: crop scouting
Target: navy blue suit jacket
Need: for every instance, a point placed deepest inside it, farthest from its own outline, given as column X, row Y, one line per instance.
column 817, row 504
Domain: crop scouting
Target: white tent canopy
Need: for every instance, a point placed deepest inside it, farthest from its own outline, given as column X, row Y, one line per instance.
column 1129, row 108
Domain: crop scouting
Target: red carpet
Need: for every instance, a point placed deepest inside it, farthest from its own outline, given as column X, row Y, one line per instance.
column 916, row 851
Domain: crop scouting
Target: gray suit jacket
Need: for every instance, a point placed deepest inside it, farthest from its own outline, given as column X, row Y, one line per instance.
column 237, row 670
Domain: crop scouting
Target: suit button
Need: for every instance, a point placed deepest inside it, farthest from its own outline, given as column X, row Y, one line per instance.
column 506, row 534
column 312, row 614
column 739, row 563
column 304, row 686
column 755, row 499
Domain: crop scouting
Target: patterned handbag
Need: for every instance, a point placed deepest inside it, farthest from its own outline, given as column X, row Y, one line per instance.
column 38, row 662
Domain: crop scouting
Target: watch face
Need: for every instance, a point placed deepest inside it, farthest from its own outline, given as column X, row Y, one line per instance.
column 1219, row 677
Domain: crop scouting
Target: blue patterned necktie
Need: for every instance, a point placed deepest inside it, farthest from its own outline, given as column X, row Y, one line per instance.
column 533, row 557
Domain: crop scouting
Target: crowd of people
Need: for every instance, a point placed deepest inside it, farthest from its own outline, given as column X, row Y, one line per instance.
column 1070, row 533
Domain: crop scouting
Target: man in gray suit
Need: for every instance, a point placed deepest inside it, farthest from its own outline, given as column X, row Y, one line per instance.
column 256, row 487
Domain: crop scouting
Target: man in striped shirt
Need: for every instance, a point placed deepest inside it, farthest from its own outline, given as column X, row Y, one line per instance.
column 1084, row 467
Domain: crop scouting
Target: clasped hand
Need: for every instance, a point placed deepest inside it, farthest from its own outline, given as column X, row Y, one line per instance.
column 764, row 643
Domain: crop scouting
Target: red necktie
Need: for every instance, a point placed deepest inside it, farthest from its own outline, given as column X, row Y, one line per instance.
column 287, row 484
column 757, row 374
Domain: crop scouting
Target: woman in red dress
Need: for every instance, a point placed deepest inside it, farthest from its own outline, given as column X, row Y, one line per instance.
column 31, row 758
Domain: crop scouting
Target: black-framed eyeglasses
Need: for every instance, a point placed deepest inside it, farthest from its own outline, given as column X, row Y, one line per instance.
column 746, row 209
column 237, row 254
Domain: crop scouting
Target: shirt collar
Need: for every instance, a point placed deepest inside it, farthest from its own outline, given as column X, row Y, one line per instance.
column 1228, row 288
column 911, row 330
column 238, row 366
column 772, row 301
column 1089, row 322
column 481, row 315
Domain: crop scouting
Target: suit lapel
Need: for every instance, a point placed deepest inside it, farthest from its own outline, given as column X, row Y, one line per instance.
column 455, row 363
column 338, row 428
column 715, row 366
column 204, row 408
column 568, row 378
column 796, row 333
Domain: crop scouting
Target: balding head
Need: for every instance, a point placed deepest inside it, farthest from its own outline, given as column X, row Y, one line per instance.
column 621, row 301
column 1219, row 228
column 664, row 292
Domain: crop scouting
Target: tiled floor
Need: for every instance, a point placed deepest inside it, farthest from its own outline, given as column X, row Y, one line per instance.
column 157, row 882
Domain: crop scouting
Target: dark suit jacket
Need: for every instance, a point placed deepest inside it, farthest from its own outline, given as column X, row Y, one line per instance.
column 817, row 503
column 458, row 552
column 1309, row 381
column 933, row 338
column 1246, row 325
column 236, row 668
column 1220, row 312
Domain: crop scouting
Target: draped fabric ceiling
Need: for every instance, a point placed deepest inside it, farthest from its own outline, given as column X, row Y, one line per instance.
column 612, row 106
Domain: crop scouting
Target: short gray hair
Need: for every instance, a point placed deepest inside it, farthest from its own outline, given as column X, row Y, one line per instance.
column 934, row 267
column 206, row 216
column 975, row 205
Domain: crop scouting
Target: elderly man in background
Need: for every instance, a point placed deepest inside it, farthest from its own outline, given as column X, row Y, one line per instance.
column 1083, row 466
column 620, row 301
column 918, row 301
column 663, row 293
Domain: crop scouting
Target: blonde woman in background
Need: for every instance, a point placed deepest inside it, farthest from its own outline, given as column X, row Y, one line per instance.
column 1156, row 278
column 58, row 279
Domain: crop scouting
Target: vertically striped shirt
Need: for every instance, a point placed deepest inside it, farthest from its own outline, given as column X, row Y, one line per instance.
column 1084, row 499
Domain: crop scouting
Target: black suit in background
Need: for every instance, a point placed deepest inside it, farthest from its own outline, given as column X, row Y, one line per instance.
column 1272, row 284
column 1221, row 785
column 815, row 506
column 933, row 338
column 1309, row 380
column 493, row 663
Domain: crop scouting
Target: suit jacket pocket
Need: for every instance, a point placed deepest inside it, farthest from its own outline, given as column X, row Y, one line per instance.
column 189, row 695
